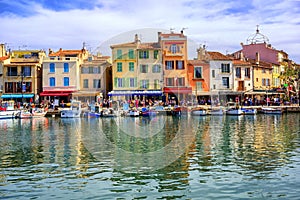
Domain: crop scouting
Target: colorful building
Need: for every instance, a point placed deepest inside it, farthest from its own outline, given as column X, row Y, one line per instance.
column 136, row 70
column 22, row 75
column 95, row 79
column 61, row 74
column 175, row 70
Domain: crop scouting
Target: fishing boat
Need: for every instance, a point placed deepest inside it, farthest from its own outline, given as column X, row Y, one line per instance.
column 198, row 111
column 108, row 112
column 234, row 111
column 271, row 110
column 7, row 110
column 216, row 111
column 249, row 111
column 73, row 112
column 133, row 113
column 26, row 114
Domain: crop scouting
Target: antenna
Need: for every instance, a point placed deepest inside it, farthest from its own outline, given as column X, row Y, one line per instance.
column 172, row 30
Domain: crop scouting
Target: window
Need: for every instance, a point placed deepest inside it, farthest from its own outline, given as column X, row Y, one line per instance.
column 174, row 48
column 130, row 54
column 263, row 82
column 85, row 83
column 52, row 68
column 267, row 82
column 180, row 64
column 156, row 68
column 145, row 84
column 238, row 72
column 96, row 83
column 131, row 66
column 169, row 65
column 247, row 72
column 66, row 67
column 120, row 82
column 144, row 68
column 180, row 81
column 52, row 81
column 170, row 81
column 96, row 70
column 225, row 68
column 132, row 82
column 144, row 54
column 91, row 69
column 156, row 84
column 263, row 70
column 119, row 67
column 225, row 82
column 12, row 71
column 119, row 54
column 213, row 73
column 84, row 70
column 155, row 54
column 66, row 81
column 199, row 86
column 198, row 72
column 26, row 71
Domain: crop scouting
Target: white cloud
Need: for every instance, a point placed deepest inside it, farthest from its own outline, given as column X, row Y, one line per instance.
column 210, row 22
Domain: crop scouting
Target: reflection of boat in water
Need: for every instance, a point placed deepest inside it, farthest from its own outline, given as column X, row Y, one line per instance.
column 109, row 112
column 216, row 111
column 271, row 110
column 133, row 113
column 73, row 112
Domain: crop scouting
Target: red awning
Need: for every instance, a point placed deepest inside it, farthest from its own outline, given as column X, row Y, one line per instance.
column 55, row 93
column 181, row 90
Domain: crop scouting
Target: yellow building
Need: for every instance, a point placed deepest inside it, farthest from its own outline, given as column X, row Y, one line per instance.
column 136, row 70
column 22, row 75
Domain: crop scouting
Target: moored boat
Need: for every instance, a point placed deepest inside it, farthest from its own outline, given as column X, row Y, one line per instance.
column 7, row 110
column 249, row 111
column 73, row 112
column 198, row 111
column 271, row 110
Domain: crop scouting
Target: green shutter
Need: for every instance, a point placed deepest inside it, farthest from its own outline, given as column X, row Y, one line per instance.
column 147, row 54
column 135, row 82
column 123, row 82
column 140, row 54
column 146, row 68
column 147, row 84
column 116, row 82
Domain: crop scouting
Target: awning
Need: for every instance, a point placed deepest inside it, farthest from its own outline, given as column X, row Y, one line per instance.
column 10, row 96
column 85, row 93
column 180, row 90
column 134, row 92
column 55, row 93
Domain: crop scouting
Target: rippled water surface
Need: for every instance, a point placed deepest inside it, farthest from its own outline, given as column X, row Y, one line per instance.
column 211, row 157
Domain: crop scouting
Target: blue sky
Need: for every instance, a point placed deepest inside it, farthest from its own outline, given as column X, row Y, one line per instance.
column 220, row 24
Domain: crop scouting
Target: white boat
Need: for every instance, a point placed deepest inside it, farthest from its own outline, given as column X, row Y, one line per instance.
column 109, row 112
column 249, row 111
column 73, row 112
column 26, row 114
column 7, row 110
column 198, row 112
column 270, row 110
column 133, row 113
column 216, row 111
column 234, row 111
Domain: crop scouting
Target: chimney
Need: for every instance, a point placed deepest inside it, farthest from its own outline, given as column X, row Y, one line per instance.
column 50, row 51
column 136, row 38
column 257, row 58
column 201, row 52
column 242, row 56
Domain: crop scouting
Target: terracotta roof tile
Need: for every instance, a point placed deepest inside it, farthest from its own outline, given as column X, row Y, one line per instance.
column 241, row 62
column 66, row 52
column 150, row 45
column 196, row 62
column 213, row 55
column 4, row 58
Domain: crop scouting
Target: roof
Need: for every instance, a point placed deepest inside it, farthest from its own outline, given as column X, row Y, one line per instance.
column 213, row 55
column 241, row 62
column 4, row 58
column 150, row 45
column 128, row 44
column 66, row 52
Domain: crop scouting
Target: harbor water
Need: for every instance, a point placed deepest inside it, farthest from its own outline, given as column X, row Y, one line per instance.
column 162, row 157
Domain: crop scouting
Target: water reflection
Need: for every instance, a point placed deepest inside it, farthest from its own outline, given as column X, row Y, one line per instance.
column 162, row 157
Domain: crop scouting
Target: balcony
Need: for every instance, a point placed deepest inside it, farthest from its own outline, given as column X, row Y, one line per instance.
column 63, row 59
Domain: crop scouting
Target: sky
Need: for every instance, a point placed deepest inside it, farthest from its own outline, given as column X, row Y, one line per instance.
column 222, row 25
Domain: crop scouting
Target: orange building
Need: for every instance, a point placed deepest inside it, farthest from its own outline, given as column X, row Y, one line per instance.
column 174, row 58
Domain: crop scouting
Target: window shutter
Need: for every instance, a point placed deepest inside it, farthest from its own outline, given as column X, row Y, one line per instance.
column 116, row 82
